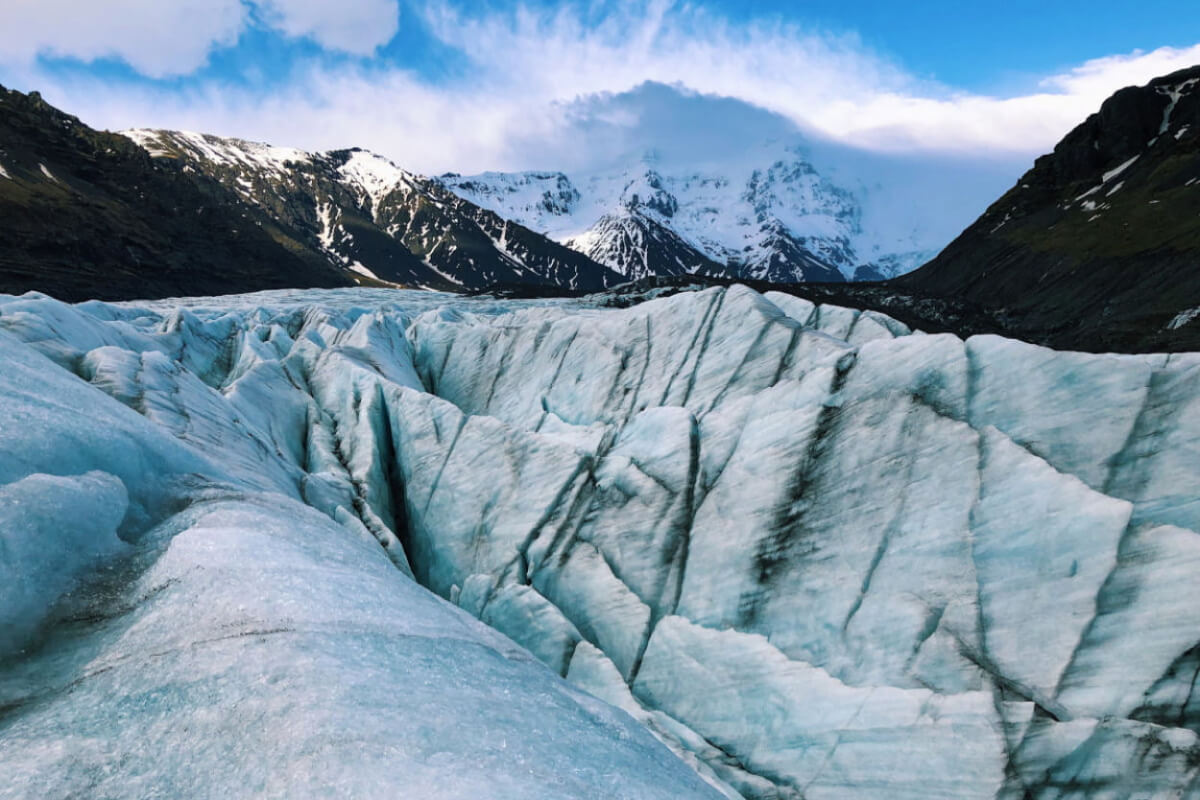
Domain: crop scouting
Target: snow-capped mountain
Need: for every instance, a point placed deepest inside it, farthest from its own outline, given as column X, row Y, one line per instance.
column 288, row 217
column 377, row 220
column 767, row 214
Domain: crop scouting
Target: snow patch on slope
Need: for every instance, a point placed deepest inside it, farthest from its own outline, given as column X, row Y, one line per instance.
column 1174, row 93
column 1183, row 318
column 1115, row 171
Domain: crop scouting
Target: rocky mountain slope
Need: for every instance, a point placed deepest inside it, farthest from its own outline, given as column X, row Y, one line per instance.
column 816, row 554
column 1099, row 242
column 377, row 220
column 88, row 214
column 767, row 215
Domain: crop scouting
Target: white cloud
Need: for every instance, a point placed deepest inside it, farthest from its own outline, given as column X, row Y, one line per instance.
column 352, row 26
column 972, row 123
column 532, row 77
column 163, row 38
column 831, row 83
column 156, row 37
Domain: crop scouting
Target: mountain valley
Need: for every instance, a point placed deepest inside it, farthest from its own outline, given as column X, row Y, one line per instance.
column 651, row 478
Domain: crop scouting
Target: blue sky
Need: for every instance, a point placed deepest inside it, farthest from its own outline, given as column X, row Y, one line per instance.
column 478, row 85
column 996, row 46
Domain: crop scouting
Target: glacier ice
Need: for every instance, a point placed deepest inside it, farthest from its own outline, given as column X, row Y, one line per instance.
column 175, row 621
column 815, row 553
column 268, row 651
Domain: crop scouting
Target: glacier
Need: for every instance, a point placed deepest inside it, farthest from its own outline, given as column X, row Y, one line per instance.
column 717, row 543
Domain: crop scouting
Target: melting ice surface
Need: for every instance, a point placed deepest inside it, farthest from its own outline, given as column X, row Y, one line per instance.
column 813, row 553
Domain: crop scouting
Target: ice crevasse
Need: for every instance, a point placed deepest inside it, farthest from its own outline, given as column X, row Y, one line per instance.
column 246, row 545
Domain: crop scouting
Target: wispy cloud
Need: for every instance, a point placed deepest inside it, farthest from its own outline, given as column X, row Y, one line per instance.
column 967, row 123
column 531, row 74
column 828, row 82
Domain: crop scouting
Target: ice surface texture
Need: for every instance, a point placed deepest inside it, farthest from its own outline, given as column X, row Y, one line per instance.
column 178, row 619
column 816, row 554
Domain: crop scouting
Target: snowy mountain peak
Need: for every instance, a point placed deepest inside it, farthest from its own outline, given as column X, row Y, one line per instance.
column 375, row 176
column 767, row 214
column 646, row 190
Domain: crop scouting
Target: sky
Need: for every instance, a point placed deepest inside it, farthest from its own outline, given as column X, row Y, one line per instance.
column 492, row 84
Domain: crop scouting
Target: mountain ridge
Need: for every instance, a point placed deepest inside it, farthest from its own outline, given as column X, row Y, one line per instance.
column 775, row 217
column 377, row 219
column 1100, row 238
column 100, row 215
column 89, row 215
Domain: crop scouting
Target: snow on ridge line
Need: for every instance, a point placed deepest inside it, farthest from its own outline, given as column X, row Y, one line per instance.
column 148, row 139
column 373, row 173
column 219, row 150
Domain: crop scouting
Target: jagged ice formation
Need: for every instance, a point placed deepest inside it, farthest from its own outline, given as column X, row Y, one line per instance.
column 815, row 553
